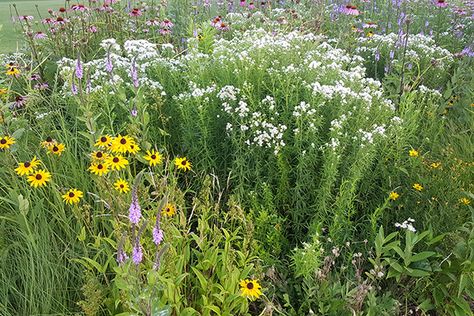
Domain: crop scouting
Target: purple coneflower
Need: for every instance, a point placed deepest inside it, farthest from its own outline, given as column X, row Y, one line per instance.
column 60, row 21
column 41, row 86
column 25, row 18
column 152, row 22
column 40, row 36
column 47, row 21
column 441, row 3
column 35, row 77
column 92, row 29
column 242, row 3
column 166, row 24
column 251, row 6
column 350, row 10
column 79, row 7
column 369, row 25
column 223, row 27
column 136, row 12
column 165, row 31
column 19, row 103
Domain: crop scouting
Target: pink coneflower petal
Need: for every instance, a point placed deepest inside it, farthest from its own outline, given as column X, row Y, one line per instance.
column 40, row 35
column 441, row 3
column 350, row 10
column 166, row 24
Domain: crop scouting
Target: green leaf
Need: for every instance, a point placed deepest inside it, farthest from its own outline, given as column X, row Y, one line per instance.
column 201, row 278
column 422, row 255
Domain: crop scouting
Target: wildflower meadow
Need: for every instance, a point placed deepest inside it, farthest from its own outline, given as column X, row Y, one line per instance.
column 231, row 157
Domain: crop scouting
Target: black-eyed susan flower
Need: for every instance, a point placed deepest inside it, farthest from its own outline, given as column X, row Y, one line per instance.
column 39, row 178
column 117, row 162
column 182, row 163
column 57, row 149
column 153, row 157
column 393, row 196
column 48, row 142
column 413, row 153
column 103, row 141
column 370, row 34
column 121, row 144
column 169, row 210
column 250, row 289
column 12, row 71
column 133, row 149
column 25, row 168
column 465, row 201
column 99, row 155
column 122, row 186
column 99, row 168
column 417, row 187
column 6, row 142
column 73, row 196
column 435, row 165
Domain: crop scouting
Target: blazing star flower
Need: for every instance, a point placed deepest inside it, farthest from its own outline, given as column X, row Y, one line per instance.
column 134, row 74
column 137, row 254
column 134, row 212
column 441, row 3
column 350, row 10
column 157, row 235
column 73, row 196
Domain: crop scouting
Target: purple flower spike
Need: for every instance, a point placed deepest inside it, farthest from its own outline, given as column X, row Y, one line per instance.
column 134, row 211
column 157, row 235
column 137, row 254
column 79, row 69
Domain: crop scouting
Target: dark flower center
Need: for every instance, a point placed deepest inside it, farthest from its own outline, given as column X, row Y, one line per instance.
column 121, row 186
column 99, row 155
column 27, row 164
column 153, row 157
column 99, row 166
column 184, row 162
column 3, row 141
column 123, row 141
column 49, row 139
column 103, row 139
column 55, row 148
column 116, row 160
column 38, row 177
column 250, row 285
column 71, row 194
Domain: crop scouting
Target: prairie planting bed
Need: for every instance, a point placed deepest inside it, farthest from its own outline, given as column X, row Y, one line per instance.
column 237, row 158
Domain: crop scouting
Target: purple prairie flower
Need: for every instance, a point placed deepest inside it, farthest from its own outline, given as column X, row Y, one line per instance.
column 39, row 36
column 134, row 212
column 79, row 69
column 121, row 256
column 134, row 74
column 137, row 254
column 441, row 3
column 108, row 65
column 166, row 24
column 350, row 10
column 157, row 235
column 74, row 88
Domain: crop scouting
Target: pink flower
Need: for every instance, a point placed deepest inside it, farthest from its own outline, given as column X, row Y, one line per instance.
column 243, row 3
column 79, row 7
column 166, row 24
column 40, row 35
column 251, row 6
column 136, row 12
column 441, row 3
column 223, row 27
column 350, row 10
column 165, row 31
column 92, row 29
column 48, row 21
column 152, row 22
column 369, row 25
column 25, row 18
column 60, row 21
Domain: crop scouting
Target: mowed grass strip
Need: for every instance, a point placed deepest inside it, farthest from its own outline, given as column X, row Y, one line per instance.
column 10, row 33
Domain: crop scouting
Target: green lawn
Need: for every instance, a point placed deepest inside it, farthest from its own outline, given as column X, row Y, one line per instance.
column 10, row 34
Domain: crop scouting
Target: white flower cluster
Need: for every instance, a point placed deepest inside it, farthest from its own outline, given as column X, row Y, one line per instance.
column 117, row 66
column 196, row 92
column 408, row 225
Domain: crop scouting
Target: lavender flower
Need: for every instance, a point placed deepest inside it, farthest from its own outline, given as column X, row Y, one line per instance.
column 137, row 254
column 134, row 74
column 134, row 212
column 157, row 235
column 377, row 55
column 79, row 69
column 73, row 88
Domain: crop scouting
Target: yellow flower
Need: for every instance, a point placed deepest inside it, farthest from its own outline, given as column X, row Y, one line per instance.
column 370, row 34
column 3, row 91
column 182, row 163
column 413, row 153
column 99, row 155
column 133, row 149
column 99, row 169
column 48, row 142
column 39, row 178
column 117, row 162
column 121, row 186
column 12, row 71
column 121, row 144
column 435, row 165
column 73, row 196
column 250, row 289
column 57, row 149
column 103, row 141
column 393, row 196
column 169, row 210
column 465, row 201
column 153, row 157
column 25, row 168
column 417, row 187
column 6, row 142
